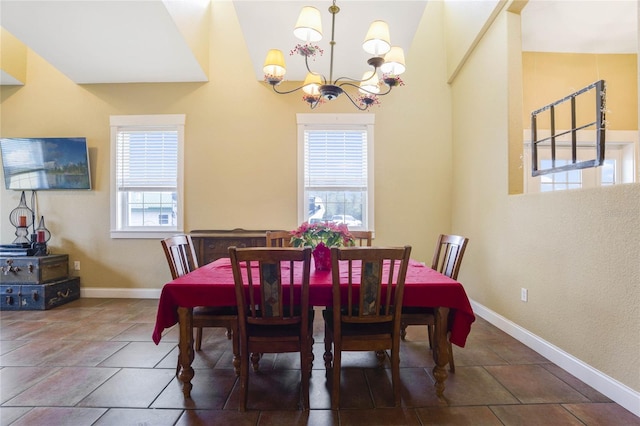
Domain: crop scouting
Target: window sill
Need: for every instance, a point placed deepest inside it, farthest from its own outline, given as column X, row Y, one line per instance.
column 147, row 234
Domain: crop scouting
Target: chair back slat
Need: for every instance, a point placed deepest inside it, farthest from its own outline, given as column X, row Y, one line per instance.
column 375, row 282
column 362, row 238
column 278, row 239
column 180, row 254
column 447, row 257
column 276, row 281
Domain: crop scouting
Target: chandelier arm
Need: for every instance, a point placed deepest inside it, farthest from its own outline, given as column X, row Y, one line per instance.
column 348, row 78
column 286, row 92
column 355, row 103
column 374, row 62
column 365, row 90
column 306, row 62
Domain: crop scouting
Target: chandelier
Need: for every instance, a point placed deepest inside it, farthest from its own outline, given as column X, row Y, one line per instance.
column 316, row 87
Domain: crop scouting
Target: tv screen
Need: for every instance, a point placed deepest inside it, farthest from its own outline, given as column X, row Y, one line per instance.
column 45, row 163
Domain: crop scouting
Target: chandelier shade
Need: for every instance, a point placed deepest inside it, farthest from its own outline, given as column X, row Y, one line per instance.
column 274, row 64
column 312, row 83
column 393, row 61
column 317, row 87
column 377, row 42
column 309, row 25
column 370, row 83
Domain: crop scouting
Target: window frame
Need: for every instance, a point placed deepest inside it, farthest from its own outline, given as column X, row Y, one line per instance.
column 175, row 121
column 360, row 122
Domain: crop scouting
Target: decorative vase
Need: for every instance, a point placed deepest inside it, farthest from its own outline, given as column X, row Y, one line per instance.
column 322, row 257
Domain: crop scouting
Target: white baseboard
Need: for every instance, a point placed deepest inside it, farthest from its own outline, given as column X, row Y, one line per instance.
column 121, row 293
column 618, row 392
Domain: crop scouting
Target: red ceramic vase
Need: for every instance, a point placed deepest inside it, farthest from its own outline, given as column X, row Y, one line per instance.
column 322, row 257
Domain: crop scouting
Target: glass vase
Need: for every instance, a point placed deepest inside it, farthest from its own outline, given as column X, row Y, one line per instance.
column 322, row 257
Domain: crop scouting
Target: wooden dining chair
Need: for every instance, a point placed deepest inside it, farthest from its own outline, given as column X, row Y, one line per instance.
column 362, row 238
column 368, row 286
column 274, row 315
column 181, row 257
column 278, row 239
column 447, row 259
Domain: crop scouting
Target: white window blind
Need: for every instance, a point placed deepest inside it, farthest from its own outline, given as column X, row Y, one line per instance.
column 336, row 159
column 147, row 160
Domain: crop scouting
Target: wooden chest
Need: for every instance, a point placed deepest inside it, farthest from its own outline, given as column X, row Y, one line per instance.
column 31, row 297
column 34, row 269
column 213, row 244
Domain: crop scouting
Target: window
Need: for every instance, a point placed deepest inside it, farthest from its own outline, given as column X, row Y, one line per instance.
column 335, row 173
column 619, row 165
column 146, row 175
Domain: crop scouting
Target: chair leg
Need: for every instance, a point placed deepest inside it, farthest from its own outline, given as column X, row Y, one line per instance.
column 198, row 338
column 335, row 389
column 431, row 330
column 328, row 342
column 244, row 381
column 395, row 374
column 306, row 360
column 235, row 345
column 255, row 361
column 403, row 331
column 452, row 366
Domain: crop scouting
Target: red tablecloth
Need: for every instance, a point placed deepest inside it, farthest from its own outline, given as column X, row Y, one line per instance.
column 213, row 285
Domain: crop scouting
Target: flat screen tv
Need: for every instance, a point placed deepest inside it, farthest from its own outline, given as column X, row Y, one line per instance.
column 45, row 163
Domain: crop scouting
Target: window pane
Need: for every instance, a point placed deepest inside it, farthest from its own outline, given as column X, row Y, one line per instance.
column 575, row 176
column 608, row 171
column 337, row 206
column 151, row 208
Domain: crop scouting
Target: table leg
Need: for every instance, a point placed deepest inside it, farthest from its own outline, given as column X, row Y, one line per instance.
column 440, row 349
column 185, row 349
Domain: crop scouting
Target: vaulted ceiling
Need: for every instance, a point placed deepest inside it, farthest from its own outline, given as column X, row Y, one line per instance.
column 108, row 41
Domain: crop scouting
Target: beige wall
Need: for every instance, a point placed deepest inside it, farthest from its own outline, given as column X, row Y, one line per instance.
column 575, row 251
column 549, row 77
column 13, row 56
column 465, row 23
column 236, row 131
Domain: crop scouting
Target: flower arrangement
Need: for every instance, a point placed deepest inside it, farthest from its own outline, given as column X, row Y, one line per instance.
column 368, row 99
column 273, row 79
column 392, row 80
column 313, row 100
column 306, row 50
column 322, row 233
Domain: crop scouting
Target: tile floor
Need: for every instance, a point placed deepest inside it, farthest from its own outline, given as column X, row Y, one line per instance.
column 92, row 362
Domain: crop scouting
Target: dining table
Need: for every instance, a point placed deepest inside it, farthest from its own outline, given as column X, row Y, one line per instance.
column 213, row 285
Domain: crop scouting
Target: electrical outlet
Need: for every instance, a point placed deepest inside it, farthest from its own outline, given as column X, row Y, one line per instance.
column 524, row 294
column 76, row 265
